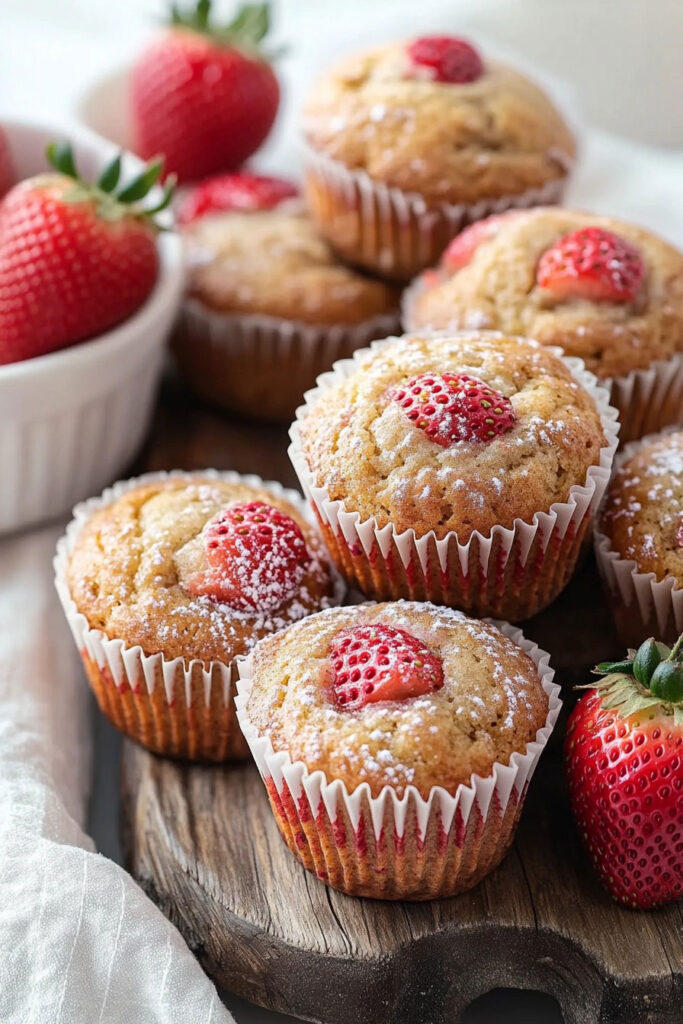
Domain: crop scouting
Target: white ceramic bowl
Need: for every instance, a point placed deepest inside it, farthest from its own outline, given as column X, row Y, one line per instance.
column 72, row 420
column 103, row 107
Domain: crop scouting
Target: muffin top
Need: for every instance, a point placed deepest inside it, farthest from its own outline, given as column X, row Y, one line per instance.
column 499, row 274
column 406, row 438
column 483, row 701
column 642, row 514
column 453, row 142
column 181, row 567
column 273, row 263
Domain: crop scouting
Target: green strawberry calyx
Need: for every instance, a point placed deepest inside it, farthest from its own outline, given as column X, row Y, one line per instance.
column 111, row 201
column 651, row 676
column 246, row 31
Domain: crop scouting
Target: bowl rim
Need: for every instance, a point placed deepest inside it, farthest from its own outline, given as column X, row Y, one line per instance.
column 167, row 288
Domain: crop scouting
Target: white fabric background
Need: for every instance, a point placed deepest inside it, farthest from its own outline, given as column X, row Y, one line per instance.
column 79, row 942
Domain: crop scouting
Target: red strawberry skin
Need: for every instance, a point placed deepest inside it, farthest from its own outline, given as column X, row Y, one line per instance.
column 454, row 407
column 65, row 274
column 374, row 663
column 206, row 107
column 591, row 264
column 7, row 175
column 464, row 245
column 257, row 557
column 226, row 192
column 626, row 789
column 446, row 59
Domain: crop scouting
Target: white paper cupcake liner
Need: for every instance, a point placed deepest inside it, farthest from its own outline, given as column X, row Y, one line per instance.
column 233, row 360
column 647, row 400
column 173, row 706
column 642, row 605
column 511, row 572
column 391, row 846
column 393, row 232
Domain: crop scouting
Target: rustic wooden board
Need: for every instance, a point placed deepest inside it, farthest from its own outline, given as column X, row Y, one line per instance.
column 204, row 845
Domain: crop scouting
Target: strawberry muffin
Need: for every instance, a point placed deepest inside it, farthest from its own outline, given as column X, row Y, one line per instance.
column 462, row 469
column 269, row 307
column 410, row 142
column 166, row 579
column 394, row 720
column 604, row 290
column 639, row 539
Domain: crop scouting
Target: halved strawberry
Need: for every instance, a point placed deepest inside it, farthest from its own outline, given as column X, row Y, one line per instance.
column 452, row 407
column 624, row 763
column 374, row 662
column 235, row 192
column 463, row 247
column 257, row 557
column 591, row 264
column 446, row 59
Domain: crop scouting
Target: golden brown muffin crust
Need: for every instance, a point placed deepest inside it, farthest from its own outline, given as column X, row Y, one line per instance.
column 498, row 290
column 129, row 562
column 500, row 135
column 275, row 264
column 492, row 702
column 360, row 445
column 643, row 510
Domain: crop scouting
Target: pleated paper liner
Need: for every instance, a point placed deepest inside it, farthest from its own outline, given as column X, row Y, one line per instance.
column 391, row 846
column 511, row 573
column 395, row 233
column 641, row 605
column 260, row 366
column 174, row 707
column 647, row 400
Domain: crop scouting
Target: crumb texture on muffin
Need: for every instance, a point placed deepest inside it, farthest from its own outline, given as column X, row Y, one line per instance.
column 363, row 449
column 130, row 561
column 492, row 702
column 497, row 290
column 274, row 263
column 499, row 135
column 643, row 510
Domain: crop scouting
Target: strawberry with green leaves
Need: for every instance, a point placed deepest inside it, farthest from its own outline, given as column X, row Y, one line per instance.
column 624, row 763
column 203, row 94
column 75, row 258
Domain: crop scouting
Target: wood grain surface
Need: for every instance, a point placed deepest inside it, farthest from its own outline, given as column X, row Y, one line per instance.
column 204, row 845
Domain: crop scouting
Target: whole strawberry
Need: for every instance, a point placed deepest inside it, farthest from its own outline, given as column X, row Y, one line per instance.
column 203, row 94
column 453, row 407
column 7, row 176
column 592, row 264
column 624, row 763
column 243, row 191
column 75, row 258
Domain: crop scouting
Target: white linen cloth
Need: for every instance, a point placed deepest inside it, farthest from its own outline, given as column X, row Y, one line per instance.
column 80, row 943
